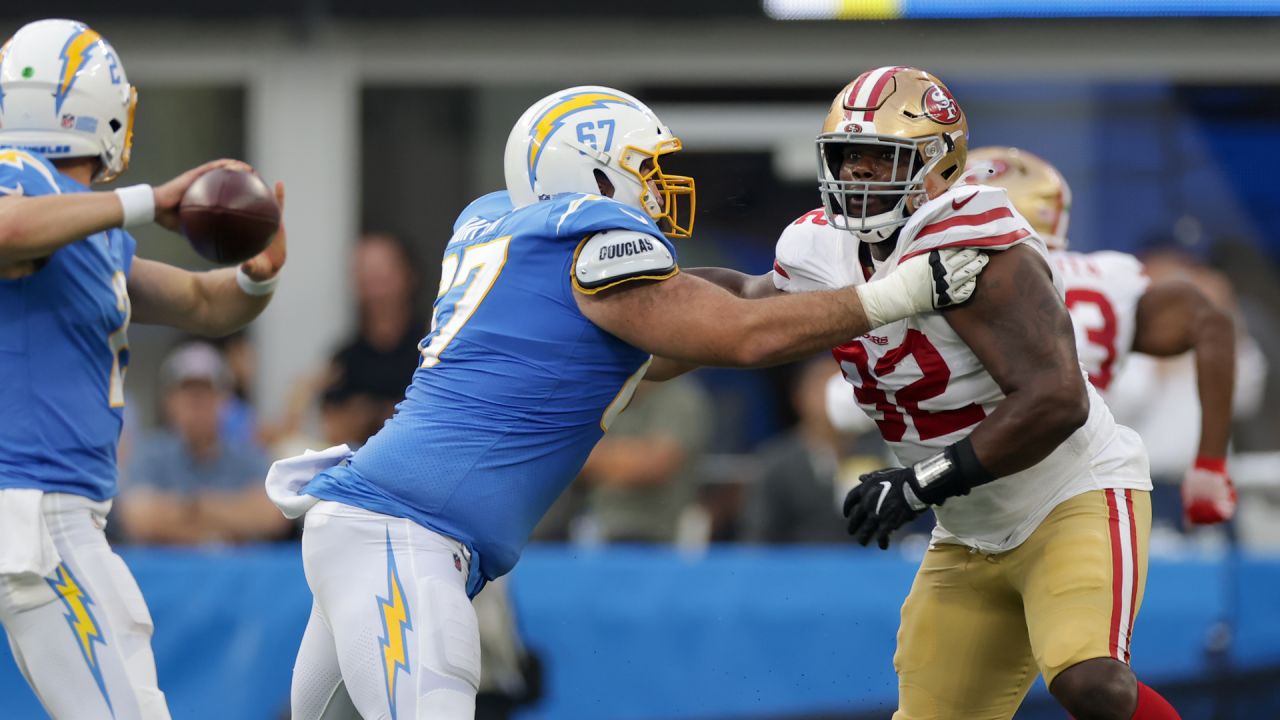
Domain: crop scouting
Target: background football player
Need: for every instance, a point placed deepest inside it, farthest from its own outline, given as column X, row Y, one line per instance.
column 1117, row 309
column 553, row 294
column 69, row 287
column 1042, row 501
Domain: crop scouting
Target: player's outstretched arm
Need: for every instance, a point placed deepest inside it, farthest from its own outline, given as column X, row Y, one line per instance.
column 749, row 287
column 1174, row 316
column 691, row 320
column 213, row 303
column 32, row 228
column 35, row 227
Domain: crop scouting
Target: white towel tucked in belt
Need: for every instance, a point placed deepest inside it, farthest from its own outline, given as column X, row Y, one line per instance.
column 287, row 477
column 25, row 543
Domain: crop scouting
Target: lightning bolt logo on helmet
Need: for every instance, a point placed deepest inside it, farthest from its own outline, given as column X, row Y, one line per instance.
column 80, row 619
column 553, row 118
column 395, row 623
column 74, row 56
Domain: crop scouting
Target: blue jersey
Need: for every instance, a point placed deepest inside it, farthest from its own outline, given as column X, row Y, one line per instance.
column 63, row 352
column 515, row 386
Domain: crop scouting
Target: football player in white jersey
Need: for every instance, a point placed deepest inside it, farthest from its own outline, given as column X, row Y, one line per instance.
column 1117, row 309
column 1043, row 503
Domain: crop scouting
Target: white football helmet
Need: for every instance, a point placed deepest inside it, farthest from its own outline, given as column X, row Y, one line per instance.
column 64, row 94
column 562, row 140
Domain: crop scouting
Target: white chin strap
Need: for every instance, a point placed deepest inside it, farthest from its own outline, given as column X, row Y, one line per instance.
column 880, row 234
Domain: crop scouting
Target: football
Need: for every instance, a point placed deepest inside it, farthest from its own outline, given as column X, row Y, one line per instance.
column 228, row 216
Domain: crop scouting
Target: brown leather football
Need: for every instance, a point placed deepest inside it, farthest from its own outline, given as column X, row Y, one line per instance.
column 229, row 216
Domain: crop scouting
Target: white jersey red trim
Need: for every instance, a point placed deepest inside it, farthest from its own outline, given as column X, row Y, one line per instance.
column 1102, row 294
column 925, row 389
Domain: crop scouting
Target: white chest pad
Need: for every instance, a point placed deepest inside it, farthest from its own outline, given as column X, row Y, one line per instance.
column 614, row 256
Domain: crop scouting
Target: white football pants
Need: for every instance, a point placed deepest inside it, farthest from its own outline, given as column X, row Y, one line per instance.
column 82, row 635
column 392, row 633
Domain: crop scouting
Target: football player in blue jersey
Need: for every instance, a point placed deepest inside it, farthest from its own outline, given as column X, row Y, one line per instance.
column 69, row 287
column 552, row 298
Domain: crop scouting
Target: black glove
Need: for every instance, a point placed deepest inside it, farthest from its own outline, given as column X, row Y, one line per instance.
column 879, row 505
column 887, row 499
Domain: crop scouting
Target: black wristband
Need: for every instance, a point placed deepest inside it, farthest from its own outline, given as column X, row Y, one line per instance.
column 967, row 462
column 950, row 473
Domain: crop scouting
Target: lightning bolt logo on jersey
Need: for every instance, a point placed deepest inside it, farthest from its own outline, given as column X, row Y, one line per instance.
column 395, row 626
column 81, row 621
column 63, row 352
column 515, row 386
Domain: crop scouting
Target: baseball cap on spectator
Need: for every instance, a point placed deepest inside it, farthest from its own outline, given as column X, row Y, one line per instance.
column 195, row 362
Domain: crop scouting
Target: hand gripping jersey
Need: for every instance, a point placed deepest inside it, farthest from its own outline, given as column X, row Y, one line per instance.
column 926, row 389
column 63, row 352
column 1103, row 290
column 516, row 385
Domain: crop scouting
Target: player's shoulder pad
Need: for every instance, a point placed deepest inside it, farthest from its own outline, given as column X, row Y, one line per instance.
column 486, row 207
column 578, row 214
column 26, row 173
column 612, row 257
column 804, row 253
column 978, row 216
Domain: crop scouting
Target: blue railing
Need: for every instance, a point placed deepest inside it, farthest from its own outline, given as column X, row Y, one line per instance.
column 640, row 633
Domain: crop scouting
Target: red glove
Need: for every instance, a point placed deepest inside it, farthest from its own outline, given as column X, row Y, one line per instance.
column 1208, row 496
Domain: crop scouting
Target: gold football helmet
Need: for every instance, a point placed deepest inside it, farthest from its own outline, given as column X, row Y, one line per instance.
column 1036, row 188
column 909, row 112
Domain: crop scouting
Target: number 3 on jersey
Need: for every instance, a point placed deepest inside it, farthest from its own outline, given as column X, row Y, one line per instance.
column 465, row 280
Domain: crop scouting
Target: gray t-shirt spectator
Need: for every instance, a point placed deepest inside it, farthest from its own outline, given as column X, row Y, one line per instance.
column 665, row 429
column 162, row 463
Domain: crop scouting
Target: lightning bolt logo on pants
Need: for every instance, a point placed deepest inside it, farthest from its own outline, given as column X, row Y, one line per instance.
column 83, row 624
column 395, row 622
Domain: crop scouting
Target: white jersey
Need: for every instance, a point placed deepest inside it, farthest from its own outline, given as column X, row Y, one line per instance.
column 1103, row 290
column 926, row 389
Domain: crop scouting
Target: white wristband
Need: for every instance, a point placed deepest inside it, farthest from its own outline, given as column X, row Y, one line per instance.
column 255, row 287
column 138, row 203
column 898, row 295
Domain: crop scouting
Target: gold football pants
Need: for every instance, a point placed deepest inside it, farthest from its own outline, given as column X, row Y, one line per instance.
column 977, row 628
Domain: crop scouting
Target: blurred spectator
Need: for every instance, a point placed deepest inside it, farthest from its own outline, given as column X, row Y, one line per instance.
column 369, row 372
column 379, row 361
column 188, row 484
column 805, row 474
column 639, row 477
column 239, row 422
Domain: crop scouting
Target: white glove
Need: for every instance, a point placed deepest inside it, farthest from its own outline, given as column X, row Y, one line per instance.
column 941, row 278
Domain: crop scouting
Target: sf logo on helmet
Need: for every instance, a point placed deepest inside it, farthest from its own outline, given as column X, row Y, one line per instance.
column 940, row 106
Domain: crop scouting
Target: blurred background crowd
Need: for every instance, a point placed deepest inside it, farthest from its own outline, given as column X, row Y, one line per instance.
column 385, row 118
